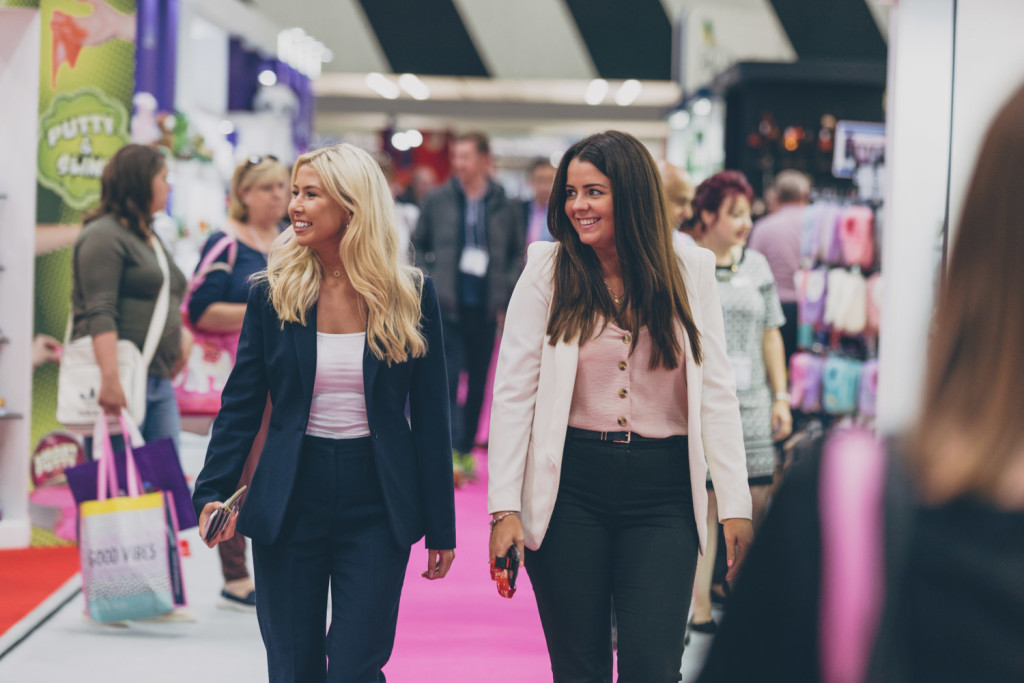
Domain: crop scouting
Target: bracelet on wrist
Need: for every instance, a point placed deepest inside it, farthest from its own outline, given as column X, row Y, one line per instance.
column 782, row 396
column 500, row 517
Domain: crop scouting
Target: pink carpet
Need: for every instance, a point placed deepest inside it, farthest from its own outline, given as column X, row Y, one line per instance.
column 459, row 630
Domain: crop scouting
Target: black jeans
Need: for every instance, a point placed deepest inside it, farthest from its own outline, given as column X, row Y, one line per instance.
column 623, row 527
column 468, row 345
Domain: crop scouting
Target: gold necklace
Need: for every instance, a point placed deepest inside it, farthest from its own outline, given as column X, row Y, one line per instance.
column 617, row 299
column 335, row 273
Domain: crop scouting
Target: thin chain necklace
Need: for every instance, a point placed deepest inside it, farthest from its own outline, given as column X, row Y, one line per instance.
column 617, row 299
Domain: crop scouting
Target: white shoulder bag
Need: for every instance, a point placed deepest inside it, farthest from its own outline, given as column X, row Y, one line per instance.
column 78, row 384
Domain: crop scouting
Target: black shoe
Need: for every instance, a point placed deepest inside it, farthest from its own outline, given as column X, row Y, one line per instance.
column 229, row 601
column 708, row 626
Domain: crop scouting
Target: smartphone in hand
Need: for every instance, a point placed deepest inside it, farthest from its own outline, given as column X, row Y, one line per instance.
column 222, row 515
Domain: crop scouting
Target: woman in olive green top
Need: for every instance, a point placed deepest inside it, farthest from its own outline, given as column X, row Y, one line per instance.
column 116, row 281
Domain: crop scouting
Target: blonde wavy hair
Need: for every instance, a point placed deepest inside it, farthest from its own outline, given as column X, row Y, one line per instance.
column 389, row 291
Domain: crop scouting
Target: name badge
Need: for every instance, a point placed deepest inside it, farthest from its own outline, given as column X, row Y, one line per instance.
column 474, row 261
column 744, row 368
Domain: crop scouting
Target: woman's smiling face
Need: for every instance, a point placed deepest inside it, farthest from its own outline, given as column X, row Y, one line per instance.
column 317, row 220
column 589, row 206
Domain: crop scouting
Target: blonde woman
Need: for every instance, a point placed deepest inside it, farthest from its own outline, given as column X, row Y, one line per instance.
column 259, row 200
column 342, row 336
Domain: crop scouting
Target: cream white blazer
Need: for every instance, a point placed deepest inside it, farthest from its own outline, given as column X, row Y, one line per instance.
column 533, row 390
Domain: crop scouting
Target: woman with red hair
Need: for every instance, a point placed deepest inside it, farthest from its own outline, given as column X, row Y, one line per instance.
column 753, row 316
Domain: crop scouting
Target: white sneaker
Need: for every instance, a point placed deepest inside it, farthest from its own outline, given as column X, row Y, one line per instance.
column 176, row 615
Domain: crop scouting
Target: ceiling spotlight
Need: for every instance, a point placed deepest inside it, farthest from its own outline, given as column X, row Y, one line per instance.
column 679, row 120
column 414, row 86
column 628, row 92
column 382, row 85
column 414, row 137
column 267, row 78
column 702, row 107
column 596, row 91
column 400, row 141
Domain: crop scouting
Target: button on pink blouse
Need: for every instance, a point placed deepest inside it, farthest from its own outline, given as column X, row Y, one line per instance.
column 616, row 392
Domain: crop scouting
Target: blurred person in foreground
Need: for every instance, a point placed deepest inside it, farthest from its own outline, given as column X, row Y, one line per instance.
column 469, row 241
column 777, row 237
column 952, row 543
column 258, row 202
column 613, row 397
column 535, row 211
column 679, row 193
column 753, row 316
column 116, row 281
column 342, row 336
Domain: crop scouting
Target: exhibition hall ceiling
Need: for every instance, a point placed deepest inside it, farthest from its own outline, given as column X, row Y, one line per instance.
column 536, row 38
column 534, row 59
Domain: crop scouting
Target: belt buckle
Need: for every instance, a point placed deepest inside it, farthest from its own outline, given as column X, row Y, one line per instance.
column 629, row 436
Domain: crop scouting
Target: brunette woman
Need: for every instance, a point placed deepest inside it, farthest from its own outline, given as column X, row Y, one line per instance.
column 613, row 397
column 117, row 277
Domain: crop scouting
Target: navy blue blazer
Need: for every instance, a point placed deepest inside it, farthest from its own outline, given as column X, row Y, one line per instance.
column 413, row 456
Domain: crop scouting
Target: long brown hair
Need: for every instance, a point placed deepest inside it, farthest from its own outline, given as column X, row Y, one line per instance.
column 126, row 187
column 971, row 427
column 651, row 271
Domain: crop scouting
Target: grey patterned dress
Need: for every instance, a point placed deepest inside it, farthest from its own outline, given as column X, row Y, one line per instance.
column 750, row 306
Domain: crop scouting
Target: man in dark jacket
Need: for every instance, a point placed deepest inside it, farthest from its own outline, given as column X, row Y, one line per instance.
column 541, row 177
column 469, row 241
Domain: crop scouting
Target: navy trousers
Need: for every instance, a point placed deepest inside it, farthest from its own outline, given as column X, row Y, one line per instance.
column 335, row 537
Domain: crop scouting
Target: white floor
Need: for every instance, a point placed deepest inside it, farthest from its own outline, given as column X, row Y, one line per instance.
column 221, row 645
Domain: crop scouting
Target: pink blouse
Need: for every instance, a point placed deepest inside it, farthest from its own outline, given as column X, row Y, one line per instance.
column 616, row 392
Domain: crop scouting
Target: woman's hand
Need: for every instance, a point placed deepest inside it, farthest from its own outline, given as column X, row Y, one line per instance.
column 739, row 534
column 438, row 563
column 226, row 532
column 506, row 532
column 782, row 420
column 111, row 398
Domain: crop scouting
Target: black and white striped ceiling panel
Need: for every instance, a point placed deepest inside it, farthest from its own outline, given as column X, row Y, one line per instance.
column 424, row 37
column 626, row 39
column 559, row 39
